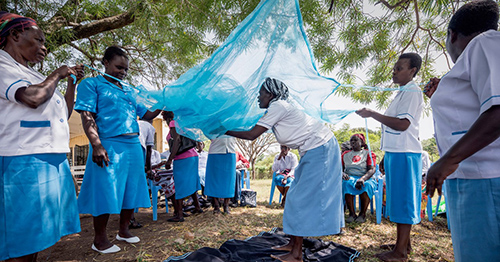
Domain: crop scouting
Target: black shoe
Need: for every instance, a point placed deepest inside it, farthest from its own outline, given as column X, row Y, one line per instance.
column 175, row 219
column 134, row 224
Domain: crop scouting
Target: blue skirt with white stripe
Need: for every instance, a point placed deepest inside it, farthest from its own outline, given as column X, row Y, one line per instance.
column 186, row 178
column 403, row 173
column 37, row 203
column 220, row 179
column 121, row 185
column 314, row 201
column 473, row 207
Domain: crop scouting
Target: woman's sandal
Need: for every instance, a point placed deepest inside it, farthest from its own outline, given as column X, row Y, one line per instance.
column 134, row 224
column 176, row 219
column 197, row 211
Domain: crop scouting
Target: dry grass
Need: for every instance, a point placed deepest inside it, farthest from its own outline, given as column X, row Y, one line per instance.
column 160, row 239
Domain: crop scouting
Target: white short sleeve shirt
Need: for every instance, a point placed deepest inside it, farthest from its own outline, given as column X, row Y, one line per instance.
column 222, row 145
column 146, row 133
column 470, row 88
column 293, row 128
column 24, row 130
column 290, row 161
column 409, row 105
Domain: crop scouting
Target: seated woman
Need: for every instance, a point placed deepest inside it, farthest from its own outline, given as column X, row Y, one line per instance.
column 358, row 177
column 284, row 165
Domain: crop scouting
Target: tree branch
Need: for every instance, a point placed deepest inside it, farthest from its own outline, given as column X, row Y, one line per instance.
column 96, row 27
column 88, row 55
column 392, row 6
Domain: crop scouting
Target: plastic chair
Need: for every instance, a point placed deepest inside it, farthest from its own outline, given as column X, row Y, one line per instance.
column 273, row 186
column 379, row 196
column 154, row 199
column 245, row 178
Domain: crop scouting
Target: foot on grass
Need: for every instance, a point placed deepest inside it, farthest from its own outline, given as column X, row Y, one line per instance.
column 350, row 219
column 391, row 256
column 288, row 257
column 392, row 246
column 287, row 247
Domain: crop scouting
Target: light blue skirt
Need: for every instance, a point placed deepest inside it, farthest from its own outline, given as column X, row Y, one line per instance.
column 314, row 201
column 278, row 180
column 348, row 186
column 186, row 178
column 473, row 207
column 121, row 185
column 220, row 180
column 37, row 203
column 403, row 172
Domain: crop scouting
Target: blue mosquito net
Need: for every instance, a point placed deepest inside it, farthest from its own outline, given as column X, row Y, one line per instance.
column 220, row 94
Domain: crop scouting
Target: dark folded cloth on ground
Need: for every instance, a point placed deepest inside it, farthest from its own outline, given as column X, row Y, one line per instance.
column 258, row 248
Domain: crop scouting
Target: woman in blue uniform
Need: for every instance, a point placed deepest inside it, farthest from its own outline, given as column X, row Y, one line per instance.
column 114, row 181
column 37, row 195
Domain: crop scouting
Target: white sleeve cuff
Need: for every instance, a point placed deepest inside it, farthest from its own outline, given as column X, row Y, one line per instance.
column 10, row 94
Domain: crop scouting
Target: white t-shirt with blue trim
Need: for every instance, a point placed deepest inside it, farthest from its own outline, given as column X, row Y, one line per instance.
column 24, row 130
column 146, row 133
column 409, row 105
column 293, row 128
column 470, row 88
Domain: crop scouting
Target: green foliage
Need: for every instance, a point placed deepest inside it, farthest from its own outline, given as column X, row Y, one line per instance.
column 430, row 146
column 345, row 132
column 166, row 38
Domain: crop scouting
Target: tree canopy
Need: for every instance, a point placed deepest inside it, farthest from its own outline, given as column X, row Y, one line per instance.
column 166, row 38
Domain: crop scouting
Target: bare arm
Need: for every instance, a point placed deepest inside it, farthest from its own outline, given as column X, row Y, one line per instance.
column 369, row 173
column 392, row 122
column 70, row 90
column 148, row 168
column 35, row 95
column 483, row 132
column 151, row 115
column 99, row 154
column 149, row 150
column 175, row 147
column 251, row 134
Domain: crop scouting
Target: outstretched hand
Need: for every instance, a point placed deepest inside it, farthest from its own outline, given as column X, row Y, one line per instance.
column 438, row 172
column 365, row 112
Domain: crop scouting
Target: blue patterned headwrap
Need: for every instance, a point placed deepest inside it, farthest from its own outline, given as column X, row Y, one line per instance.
column 277, row 88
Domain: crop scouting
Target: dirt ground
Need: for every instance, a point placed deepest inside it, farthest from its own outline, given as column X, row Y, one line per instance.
column 160, row 239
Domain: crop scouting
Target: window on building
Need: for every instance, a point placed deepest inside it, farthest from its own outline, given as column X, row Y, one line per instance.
column 81, row 153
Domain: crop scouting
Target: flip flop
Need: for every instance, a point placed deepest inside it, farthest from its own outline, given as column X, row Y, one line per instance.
column 130, row 240
column 112, row 249
column 200, row 211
